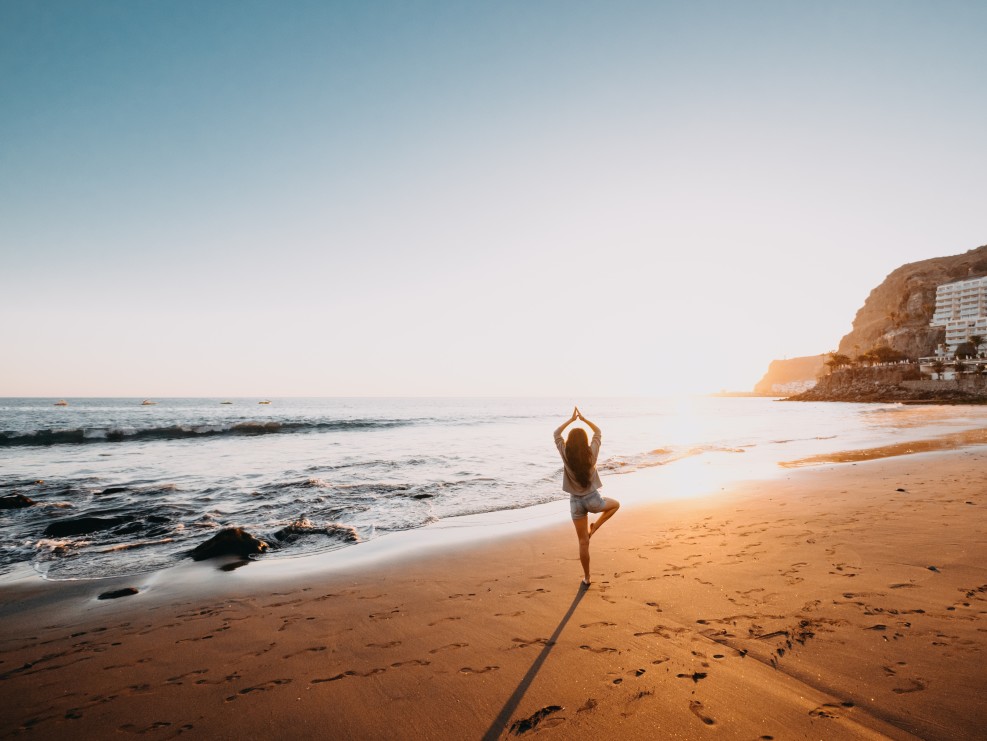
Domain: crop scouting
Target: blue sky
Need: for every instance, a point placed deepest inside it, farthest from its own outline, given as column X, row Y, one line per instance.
column 311, row 198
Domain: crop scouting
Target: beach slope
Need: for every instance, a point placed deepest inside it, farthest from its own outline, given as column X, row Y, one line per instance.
column 842, row 601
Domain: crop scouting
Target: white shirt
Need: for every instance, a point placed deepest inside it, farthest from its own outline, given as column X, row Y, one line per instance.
column 569, row 483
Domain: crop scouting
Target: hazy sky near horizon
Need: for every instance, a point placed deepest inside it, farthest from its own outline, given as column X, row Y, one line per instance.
column 456, row 198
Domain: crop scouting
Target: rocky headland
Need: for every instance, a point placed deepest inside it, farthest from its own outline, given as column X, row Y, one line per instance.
column 902, row 383
column 791, row 375
column 895, row 318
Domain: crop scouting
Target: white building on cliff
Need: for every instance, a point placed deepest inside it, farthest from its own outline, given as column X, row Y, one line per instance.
column 961, row 308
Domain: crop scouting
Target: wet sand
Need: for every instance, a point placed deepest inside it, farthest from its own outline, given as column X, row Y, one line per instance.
column 843, row 601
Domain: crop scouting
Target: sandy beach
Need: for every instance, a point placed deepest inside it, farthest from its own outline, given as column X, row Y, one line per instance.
column 838, row 601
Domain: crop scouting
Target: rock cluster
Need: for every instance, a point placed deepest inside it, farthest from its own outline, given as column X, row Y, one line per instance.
column 231, row 541
column 884, row 384
column 15, row 501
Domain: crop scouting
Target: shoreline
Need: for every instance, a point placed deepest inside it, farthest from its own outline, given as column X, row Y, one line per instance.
column 826, row 601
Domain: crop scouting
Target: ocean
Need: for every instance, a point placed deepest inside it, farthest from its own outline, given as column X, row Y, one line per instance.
column 146, row 483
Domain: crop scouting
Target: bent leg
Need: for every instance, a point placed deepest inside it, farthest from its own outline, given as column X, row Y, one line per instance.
column 609, row 510
column 582, row 534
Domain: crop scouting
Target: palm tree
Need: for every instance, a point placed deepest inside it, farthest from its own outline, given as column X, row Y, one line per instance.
column 976, row 340
column 938, row 367
column 960, row 367
column 837, row 360
column 884, row 354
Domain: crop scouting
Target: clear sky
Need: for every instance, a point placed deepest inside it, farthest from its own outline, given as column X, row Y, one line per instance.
column 465, row 198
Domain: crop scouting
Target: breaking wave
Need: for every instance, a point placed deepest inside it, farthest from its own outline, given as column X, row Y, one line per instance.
column 81, row 435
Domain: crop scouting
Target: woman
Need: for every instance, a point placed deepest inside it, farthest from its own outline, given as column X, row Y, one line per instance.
column 582, row 482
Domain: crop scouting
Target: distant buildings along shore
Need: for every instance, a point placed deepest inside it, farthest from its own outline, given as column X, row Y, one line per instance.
column 961, row 308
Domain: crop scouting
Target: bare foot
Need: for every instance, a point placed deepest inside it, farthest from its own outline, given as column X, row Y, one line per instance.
column 592, row 529
column 584, row 583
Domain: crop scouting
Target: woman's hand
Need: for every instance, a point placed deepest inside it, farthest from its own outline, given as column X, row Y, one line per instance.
column 575, row 414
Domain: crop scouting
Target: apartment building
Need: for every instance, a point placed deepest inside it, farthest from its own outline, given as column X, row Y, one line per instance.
column 961, row 308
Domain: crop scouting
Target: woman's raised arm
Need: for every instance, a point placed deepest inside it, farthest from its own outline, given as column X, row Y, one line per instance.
column 561, row 428
column 596, row 430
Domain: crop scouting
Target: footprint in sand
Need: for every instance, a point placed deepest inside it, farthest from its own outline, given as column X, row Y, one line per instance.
column 389, row 644
column 599, row 624
column 529, row 593
column 385, row 615
column 224, row 680
column 156, row 726
column 287, row 602
column 484, row 670
column 263, row 687
column 442, row 620
column 410, row 662
column 509, row 614
column 601, row 650
column 313, row 649
column 526, row 724
column 350, row 673
column 697, row 709
column 524, row 642
column 263, row 650
column 914, row 685
column 631, row 707
column 448, row 647
column 178, row 678
column 695, row 676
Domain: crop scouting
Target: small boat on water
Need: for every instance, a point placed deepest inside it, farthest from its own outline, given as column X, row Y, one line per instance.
column 226, row 402
column 263, row 402
column 61, row 403
column 148, row 403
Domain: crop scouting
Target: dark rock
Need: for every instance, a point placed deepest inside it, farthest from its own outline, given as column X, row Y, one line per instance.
column 83, row 525
column 16, row 501
column 933, row 568
column 232, row 541
column 114, row 490
column 901, row 490
column 125, row 592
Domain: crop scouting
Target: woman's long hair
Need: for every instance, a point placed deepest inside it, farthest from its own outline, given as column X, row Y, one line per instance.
column 578, row 456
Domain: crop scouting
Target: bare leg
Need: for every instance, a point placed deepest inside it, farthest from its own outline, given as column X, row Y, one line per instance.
column 582, row 533
column 612, row 505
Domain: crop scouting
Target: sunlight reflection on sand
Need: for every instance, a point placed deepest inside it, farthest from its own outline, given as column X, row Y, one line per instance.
column 951, row 441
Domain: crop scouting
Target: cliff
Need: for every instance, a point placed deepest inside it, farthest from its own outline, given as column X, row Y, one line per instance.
column 791, row 376
column 897, row 312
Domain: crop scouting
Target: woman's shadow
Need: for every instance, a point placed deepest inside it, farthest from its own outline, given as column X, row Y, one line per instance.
column 500, row 722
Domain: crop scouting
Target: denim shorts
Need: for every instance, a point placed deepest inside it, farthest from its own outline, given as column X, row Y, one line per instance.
column 579, row 507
